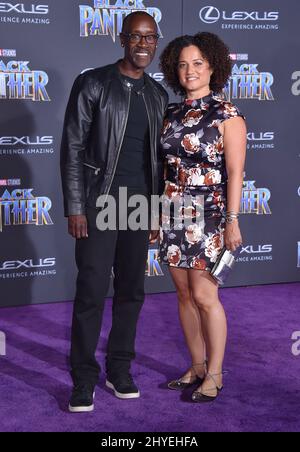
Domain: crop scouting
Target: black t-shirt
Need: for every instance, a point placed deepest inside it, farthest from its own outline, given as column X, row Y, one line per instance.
column 134, row 164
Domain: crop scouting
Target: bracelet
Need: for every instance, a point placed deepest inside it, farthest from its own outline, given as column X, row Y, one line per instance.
column 230, row 220
column 231, row 216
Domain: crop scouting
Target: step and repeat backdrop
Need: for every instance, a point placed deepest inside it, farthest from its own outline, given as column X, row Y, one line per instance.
column 45, row 45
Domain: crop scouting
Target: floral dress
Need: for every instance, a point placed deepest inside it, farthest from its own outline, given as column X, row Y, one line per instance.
column 193, row 151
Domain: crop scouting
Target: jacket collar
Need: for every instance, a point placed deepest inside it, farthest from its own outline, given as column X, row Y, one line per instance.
column 126, row 83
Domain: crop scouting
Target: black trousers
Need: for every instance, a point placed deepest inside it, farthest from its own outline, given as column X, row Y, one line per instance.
column 125, row 251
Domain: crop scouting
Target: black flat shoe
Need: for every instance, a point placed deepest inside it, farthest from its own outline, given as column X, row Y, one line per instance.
column 200, row 397
column 180, row 385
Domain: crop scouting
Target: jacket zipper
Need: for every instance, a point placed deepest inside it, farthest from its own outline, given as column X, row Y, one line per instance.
column 97, row 170
column 120, row 147
column 152, row 170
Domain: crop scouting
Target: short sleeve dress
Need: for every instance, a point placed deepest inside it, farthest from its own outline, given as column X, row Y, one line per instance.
column 193, row 152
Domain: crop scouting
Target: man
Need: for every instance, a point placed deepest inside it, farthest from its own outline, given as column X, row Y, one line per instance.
column 110, row 140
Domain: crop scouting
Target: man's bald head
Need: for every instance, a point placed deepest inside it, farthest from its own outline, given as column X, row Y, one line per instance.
column 127, row 22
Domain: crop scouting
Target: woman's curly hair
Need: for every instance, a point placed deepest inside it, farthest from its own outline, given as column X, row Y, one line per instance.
column 213, row 49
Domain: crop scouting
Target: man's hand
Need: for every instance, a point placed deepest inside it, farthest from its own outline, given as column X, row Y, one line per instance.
column 77, row 226
column 153, row 237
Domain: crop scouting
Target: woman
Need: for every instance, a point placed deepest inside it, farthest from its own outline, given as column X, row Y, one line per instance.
column 204, row 148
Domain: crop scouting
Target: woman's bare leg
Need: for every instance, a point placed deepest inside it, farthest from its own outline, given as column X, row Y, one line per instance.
column 190, row 321
column 205, row 294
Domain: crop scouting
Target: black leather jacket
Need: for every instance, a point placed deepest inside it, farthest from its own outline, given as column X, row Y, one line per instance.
column 93, row 134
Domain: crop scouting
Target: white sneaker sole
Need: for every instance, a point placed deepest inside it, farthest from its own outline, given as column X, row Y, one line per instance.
column 133, row 395
column 82, row 409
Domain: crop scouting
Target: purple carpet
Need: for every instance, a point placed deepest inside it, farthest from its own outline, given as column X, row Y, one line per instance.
column 262, row 389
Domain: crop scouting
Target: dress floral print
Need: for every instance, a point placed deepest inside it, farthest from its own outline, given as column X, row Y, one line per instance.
column 193, row 151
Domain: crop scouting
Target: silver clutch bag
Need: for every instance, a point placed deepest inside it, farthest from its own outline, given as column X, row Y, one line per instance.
column 224, row 264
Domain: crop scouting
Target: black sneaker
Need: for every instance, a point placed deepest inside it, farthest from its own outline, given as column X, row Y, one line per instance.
column 82, row 399
column 124, row 387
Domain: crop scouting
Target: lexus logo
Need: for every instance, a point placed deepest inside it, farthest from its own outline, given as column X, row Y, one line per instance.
column 21, row 8
column 209, row 14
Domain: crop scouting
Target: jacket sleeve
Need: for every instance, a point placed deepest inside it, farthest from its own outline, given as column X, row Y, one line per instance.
column 76, row 131
column 160, row 160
